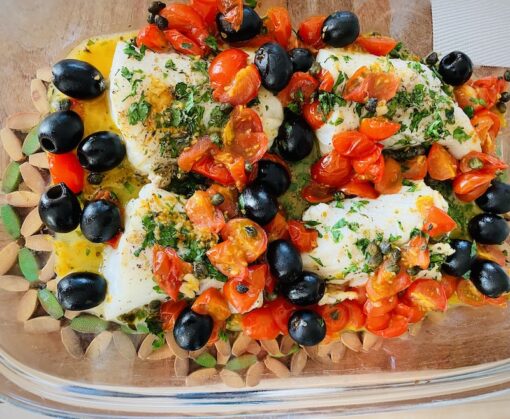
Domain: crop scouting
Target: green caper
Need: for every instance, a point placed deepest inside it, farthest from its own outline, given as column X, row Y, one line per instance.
column 374, row 255
column 371, row 105
column 315, row 69
column 154, row 305
column 226, row 108
column 95, row 178
column 217, row 199
column 385, row 247
column 413, row 271
column 506, row 75
column 251, row 231
column 200, row 270
column 394, row 259
column 150, row 18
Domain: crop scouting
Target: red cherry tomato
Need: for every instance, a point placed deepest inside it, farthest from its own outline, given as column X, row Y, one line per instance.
column 301, row 87
column 203, row 214
column 66, row 168
column 391, row 181
column 313, row 115
column 229, row 205
column 487, row 125
column 152, row 37
column 277, row 228
column 468, row 294
column 169, row 312
column 412, row 314
column 181, row 43
column 376, row 44
column 213, row 170
column 234, row 165
column 281, row 310
column 327, row 82
column 278, row 25
column 247, row 235
column 335, row 316
column 396, row 326
column 360, row 188
column 241, row 293
column 449, row 284
column 169, row 269
column 438, row 222
column 233, row 12
column 474, row 183
column 380, row 307
column 332, row 170
column 310, row 31
column 228, row 258
column 415, row 168
column 475, row 160
column 427, row 295
column 315, row 193
column 259, row 324
column 416, row 253
column 378, row 128
column 196, row 152
column 304, row 239
column 356, row 316
column 376, row 323
column 384, row 284
column 441, row 164
column 212, row 302
column 353, row 144
column 365, row 84
column 207, row 9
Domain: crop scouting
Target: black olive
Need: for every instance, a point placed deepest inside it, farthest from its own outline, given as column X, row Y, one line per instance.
column 506, row 75
column 307, row 328
column 505, row 97
column 455, row 68
column 295, row 138
column 101, row 151
column 100, row 221
column 59, row 209
column 458, row 263
column 496, row 199
column 431, row 59
column 258, row 203
column 192, row 330
column 161, row 22
column 301, row 59
column 489, row 278
column 250, row 27
column 156, row 7
column 78, row 79
column 284, row 260
column 274, row 66
column 60, row 132
column 274, row 176
column 307, row 289
column 488, row 228
column 340, row 29
column 150, row 18
column 81, row 291
column 501, row 107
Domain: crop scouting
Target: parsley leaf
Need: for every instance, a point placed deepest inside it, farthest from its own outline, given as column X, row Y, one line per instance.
column 460, row 135
column 131, row 51
column 170, row 64
column 139, row 111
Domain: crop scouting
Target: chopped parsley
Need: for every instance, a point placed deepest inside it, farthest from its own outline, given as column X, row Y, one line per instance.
column 212, row 43
column 170, row 64
column 478, row 101
column 362, row 244
column 347, row 58
column 412, row 186
column 393, row 239
column 341, row 223
column 327, row 102
column 317, row 260
column 357, row 206
column 218, row 117
column 139, row 111
column 460, row 135
column 131, row 51
column 200, row 66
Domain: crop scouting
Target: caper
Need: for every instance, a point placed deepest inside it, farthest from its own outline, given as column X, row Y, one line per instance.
column 156, row 7
column 248, row 167
column 95, row 178
column 315, row 69
column 251, row 231
column 394, row 259
column 413, row 271
column 241, row 288
column 154, row 305
column 62, row 105
column 371, row 105
column 385, row 247
column 431, row 59
column 501, row 107
column 161, row 22
column 151, row 18
column 506, row 75
column 375, row 256
column 505, row 97
column 217, row 199
column 226, row 107
column 200, row 270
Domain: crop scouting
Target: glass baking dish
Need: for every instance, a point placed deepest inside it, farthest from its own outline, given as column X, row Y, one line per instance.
column 465, row 355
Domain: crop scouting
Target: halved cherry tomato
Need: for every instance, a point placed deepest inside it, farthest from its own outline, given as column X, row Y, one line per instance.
column 427, row 295
column 415, row 168
column 365, row 165
column 396, row 326
column 449, row 284
column 416, row 253
column 331, row 170
column 365, row 84
column 181, row 43
column 208, row 9
column 491, row 252
column 184, row 19
column 215, row 333
column 278, row 25
column 233, row 12
column 259, row 324
column 353, row 144
column 356, row 316
column 114, row 242
column 310, row 31
column 375, row 323
column 438, row 222
column 193, row 154
column 468, row 294
column 488, row 89
column 152, row 37
column 335, row 316
column 212, row 302
column 213, row 170
column 313, row 115
column 229, row 205
column 169, row 270
column 203, row 214
column 376, row 44
column 475, row 160
column 473, row 194
column 300, row 88
column 380, row 307
column 378, row 127
column 235, row 165
column 281, row 310
column 247, row 235
column 466, row 183
column 66, row 168
column 241, row 293
column 225, row 66
column 441, row 164
column 304, row 239
column 391, row 181
column 412, row 314
column 360, row 188
column 228, row 258
column 243, row 88
column 169, row 312
column 315, row 193
column 327, row 81
column 487, row 125
column 277, row 228
column 383, row 283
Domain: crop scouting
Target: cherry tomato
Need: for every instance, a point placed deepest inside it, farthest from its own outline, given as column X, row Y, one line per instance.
column 468, row 294
column 356, row 316
column 476, row 180
column 438, row 222
column 281, row 310
column 331, row 170
column 181, row 43
column 412, row 314
column 247, row 235
column 384, row 283
column 313, row 115
column 391, row 181
column 212, row 302
column 301, row 87
column 335, row 316
column 310, row 31
column 488, row 89
column 376, row 44
column 474, row 194
column 66, row 168
column 491, row 252
column 234, row 165
column 169, row 269
column 203, row 214
column 487, row 125
column 207, row 9
column 380, row 307
column 169, row 312
column 233, row 12
column 193, row 154
column 353, row 144
column 213, row 170
column 243, row 88
column 229, row 205
column 259, row 324
column 475, row 160
column 441, row 164
column 277, row 228
column 365, row 165
column 396, row 326
column 416, row 253
column 241, row 293
column 228, row 259
column 304, row 239
column 376, row 323
column 360, row 188
column 365, row 84
column 152, row 37
column 278, row 25
column 315, row 193
column 427, row 295
column 449, row 284
column 378, row 128
column 415, row 168
column 225, row 66
column 327, row 82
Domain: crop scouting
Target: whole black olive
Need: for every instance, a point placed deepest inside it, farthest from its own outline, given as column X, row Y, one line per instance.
column 250, row 27
column 78, row 79
column 458, row 263
column 59, row 209
column 274, row 66
column 100, row 221
column 258, row 203
column 455, row 68
column 301, row 59
column 489, row 278
column 60, row 132
column 496, row 199
column 340, row 29
column 101, row 151
column 295, row 138
column 284, row 260
column 81, row 291
column 488, row 228
column 274, row 176
column 192, row 330
column 307, row 289
column 307, row 328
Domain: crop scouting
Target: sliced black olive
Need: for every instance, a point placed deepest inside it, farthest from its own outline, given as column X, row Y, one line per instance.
column 489, row 278
column 496, row 199
column 81, row 291
column 250, row 27
column 307, row 328
column 458, row 263
column 455, row 68
column 258, row 203
column 301, row 59
column 274, row 66
column 60, row 132
column 295, row 138
column 78, row 79
column 284, row 260
column 274, row 176
column 307, row 289
column 340, row 29
column 101, row 151
column 192, row 330
column 488, row 228
column 59, row 209
column 100, row 221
